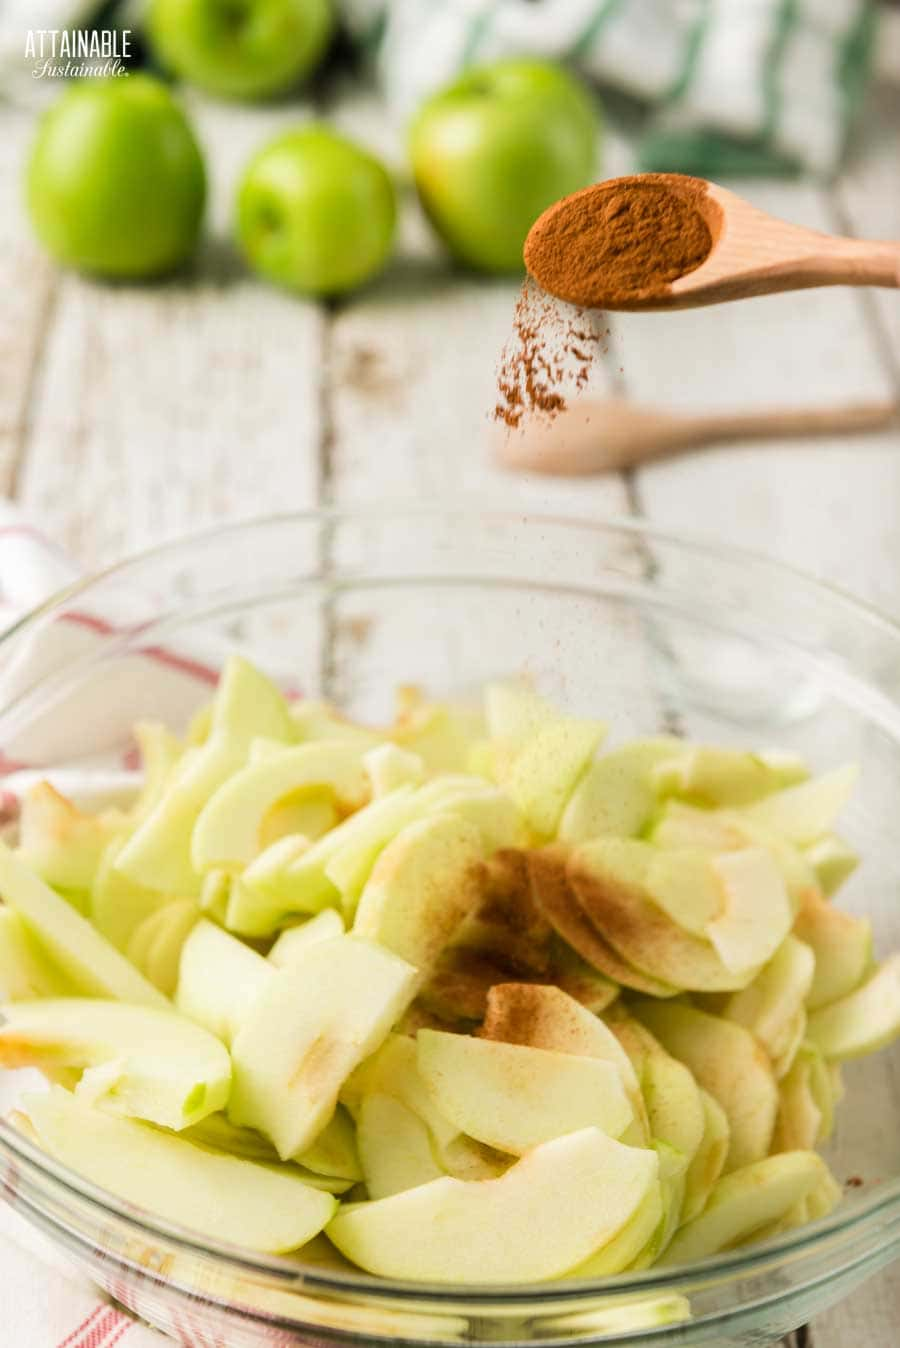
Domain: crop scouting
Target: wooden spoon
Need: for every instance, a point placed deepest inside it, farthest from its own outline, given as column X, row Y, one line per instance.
column 753, row 253
column 601, row 437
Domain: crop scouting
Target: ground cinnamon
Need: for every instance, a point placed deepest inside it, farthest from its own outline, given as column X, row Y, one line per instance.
column 551, row 346
column 622, row 241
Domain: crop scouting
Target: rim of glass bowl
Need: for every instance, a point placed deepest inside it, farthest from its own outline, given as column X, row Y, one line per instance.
column 775, row 1252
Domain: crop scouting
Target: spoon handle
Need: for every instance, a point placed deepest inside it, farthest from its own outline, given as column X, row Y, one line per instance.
column 788, row 423
column 859, row 262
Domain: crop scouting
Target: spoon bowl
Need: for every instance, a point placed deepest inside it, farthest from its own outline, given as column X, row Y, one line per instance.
column 752, row 252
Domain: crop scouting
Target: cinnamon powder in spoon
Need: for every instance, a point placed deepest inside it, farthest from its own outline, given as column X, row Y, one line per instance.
column 621, row 241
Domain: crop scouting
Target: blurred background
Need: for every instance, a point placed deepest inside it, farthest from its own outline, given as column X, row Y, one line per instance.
column 269, row 258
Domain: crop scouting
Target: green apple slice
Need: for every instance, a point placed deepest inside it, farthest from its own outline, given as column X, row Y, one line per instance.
column 388, row 766
column 862, row 1022
column 805, row 1103
column 806, row 812
column 310, row 814
column 514, row 712
column 729, row 777
column 334, row 1151
column 229, row 831
column 548, row 1213
column 58, row 842
column 441, row 733
column 832, row 861
column 95, row 966
column 513, row 1097
column 246, row 706
column 672, row 1100
column 745, row 1202
column 771, row 1004
column 609, row 877
column 544, row 772
column 317, row 720
column 424, row 883
column 615, row 796
column 160, row 752
column 393, row 1070
column 489, row 809
column 118, row 905
column 394, row 1147
column 26, row 971
column 223, row 1197
column 726, row 1061
column 508, row 925
column 219, row 980
column 709, row 1159
column 683, row 883
column 555, row 897
column 169, row 929
column 310, row 1027
column 757, row 913
column 161, row 1066
column 841, row 944
column 294, row 940
column 620, row 1253
column 215, row 1131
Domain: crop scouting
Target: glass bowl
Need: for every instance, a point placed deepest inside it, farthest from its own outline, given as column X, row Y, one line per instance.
column 650, row 630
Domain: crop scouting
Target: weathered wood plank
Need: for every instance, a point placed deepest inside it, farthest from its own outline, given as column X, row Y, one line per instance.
column 164, row 408
column 26, row 285
column 869, row 199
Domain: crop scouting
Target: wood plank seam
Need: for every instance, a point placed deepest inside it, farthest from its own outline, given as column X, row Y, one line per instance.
column 23, row 426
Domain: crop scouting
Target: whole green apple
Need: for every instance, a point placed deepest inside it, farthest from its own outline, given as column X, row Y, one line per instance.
column 115, row 182
column 495, row 149
column 240, row 48
column 315, row 212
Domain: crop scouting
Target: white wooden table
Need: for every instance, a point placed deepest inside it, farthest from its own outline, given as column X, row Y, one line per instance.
column 132, row 414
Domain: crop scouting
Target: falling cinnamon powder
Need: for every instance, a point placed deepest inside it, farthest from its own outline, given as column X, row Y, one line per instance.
column 551, row 345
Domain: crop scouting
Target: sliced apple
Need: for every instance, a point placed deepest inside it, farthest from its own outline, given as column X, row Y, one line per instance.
column 805, row 1103
column 317, row 720
column 26, row 970
column 394, row 1147
column 555, row 896
column 832, row 861
column 548, row 1213
column 757, row 912
column 424, row 883
column 334, row 1152
column 771, row 1004
column 229, row 828
column 507, row 923
column 841, row 944
column 683, row 883
column 222, row 1197
column 512, row 1097
column 255, row 901
column 683, row 825
column 219, row 980
column 718, row 777
column 296, row 882
column 294, row 940
column 609, row 877
column 804, row 813
column 709, row 1159
column 160, row 1065
column 94, row 965
column 514, row 712
column 118, row 905
column 441, row 733
column 155, row 946
column 246, row 706
column 393, row 1070
column 309, row 813
column 544, row 772
column 726, row 1061
column 388, row 766
column 160, row 752
column 620, row 1253
column 863, row 1021
column 746, row 1201
column 307, row 1031
column 615, row 796
column 60, row 843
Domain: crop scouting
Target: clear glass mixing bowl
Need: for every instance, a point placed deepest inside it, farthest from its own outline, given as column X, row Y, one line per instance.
column 649, row 630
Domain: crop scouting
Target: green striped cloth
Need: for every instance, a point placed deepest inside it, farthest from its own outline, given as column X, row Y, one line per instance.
column 725, row 86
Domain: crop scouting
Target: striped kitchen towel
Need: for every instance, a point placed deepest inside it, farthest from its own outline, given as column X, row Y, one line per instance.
column 726, row 86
